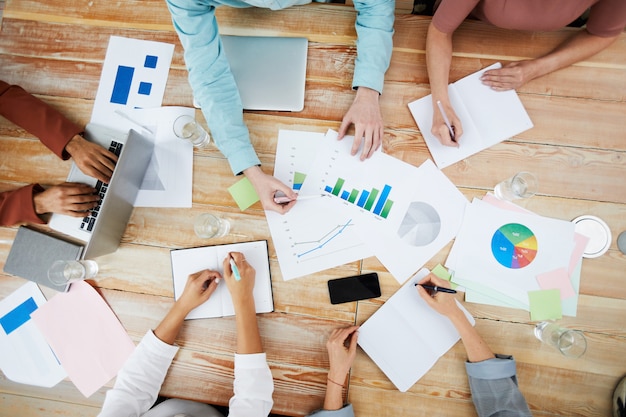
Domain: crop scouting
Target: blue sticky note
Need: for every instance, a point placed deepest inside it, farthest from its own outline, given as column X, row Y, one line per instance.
column 18, row 316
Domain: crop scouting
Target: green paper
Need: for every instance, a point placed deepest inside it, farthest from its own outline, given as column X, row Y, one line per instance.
column 478, row 293
column 243, row 193
column 545, row 305
column 443, row 273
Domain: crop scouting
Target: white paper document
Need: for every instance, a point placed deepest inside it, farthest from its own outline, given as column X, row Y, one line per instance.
column 487, row 117
column 189, row 261
column 25, row 355
column 405, row 337
column 405, row 214
column 504, row 251
column 312, row 236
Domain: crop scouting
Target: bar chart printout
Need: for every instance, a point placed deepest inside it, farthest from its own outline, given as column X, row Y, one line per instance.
column 372, row 200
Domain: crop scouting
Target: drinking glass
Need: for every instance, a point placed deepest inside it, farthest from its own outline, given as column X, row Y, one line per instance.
column 571, row 343
column 65, row 272
column 208, row 226
column 520, row 185
column 187, row 128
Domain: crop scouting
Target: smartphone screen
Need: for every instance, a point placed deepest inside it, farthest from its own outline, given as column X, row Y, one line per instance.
column 358, row 287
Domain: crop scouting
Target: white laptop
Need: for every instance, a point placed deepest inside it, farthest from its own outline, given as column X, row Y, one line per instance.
column 101, row 230
column 270, row 72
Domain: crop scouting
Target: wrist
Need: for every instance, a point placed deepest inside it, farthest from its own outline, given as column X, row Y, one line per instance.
column 367, row 93
column 38, row 204
column 73, row 144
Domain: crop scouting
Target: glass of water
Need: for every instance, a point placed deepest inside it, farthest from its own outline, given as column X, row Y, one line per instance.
column 208, row 225
column 65, row 272
column 187, row 128
column 520, row 185
column 570, row 343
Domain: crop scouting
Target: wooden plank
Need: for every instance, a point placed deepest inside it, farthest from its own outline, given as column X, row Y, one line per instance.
column 14, row 405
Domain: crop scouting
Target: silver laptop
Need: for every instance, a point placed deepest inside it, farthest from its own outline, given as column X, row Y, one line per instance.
column 101, row 230
column 270, row 72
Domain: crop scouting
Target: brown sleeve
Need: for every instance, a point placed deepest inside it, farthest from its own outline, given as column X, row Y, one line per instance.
column 17, row 206
column 451, row 13
column 25, row 110
column 607, row 18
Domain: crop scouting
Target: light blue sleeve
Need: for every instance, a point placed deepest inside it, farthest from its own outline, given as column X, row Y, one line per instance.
column 374, row 27
column 493, row 384
column 211, row 80
column 346, row 411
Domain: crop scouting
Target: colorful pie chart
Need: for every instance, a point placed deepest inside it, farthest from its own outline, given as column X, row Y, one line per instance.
column 514, row 246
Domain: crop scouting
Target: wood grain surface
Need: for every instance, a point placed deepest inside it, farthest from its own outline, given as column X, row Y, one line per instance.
column 55, row 50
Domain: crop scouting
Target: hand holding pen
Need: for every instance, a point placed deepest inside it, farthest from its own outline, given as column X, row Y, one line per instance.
column 449, row 133
column 239, row 277
column 441, row 301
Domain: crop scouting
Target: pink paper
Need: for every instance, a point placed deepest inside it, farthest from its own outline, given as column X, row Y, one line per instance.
column 580, row 243
column 85, row 335
column 505, row 205
column 557, row 279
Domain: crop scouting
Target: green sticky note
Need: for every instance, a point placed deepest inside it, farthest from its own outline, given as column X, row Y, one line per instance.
column 545, row 305
column 243, row 193
column 441, row 272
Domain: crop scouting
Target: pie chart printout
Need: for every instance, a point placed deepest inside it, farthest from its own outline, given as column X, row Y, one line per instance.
column 421, row 224
column 514, row 246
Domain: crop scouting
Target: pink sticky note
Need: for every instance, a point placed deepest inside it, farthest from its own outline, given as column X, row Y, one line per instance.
column 557, row 279
column 85, row 335
column 580, row 243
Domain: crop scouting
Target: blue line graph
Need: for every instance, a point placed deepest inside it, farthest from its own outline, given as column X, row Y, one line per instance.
column 324, row 239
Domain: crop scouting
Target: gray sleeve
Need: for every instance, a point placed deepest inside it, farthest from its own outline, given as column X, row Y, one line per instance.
column 346, row 411
column 494, row 388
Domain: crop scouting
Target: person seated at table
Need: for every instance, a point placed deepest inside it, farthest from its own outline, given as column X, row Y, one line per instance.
column 340, row 358
column 139, row 381
column 492, row 378
column 215, row 90
column 62, row 137
column 607, row 19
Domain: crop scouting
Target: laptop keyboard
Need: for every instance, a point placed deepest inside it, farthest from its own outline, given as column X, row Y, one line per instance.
column 89, row 221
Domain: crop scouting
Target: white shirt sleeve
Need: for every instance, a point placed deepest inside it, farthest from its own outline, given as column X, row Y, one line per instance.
column 253, row 387
column 139, row 382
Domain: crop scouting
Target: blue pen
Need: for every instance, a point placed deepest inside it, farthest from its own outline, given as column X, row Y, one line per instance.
column 235, row 270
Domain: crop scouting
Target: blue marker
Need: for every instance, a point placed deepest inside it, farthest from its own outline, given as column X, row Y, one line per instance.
column 235, row 270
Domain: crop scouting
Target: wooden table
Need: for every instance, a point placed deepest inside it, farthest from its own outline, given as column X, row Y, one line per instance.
column 55, row 49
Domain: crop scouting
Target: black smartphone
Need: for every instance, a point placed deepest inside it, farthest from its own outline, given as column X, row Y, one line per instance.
column 358, row 287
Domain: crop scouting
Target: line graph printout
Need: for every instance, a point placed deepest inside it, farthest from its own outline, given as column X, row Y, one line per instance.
column 316, row 234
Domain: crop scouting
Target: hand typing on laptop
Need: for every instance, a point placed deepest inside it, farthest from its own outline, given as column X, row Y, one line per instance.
column 71, row 199
column 92, row 159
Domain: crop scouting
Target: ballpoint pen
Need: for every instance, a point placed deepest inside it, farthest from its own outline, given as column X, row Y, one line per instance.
column 446, row 120
column 436, row 288
column 235, row 270
column 280, row 198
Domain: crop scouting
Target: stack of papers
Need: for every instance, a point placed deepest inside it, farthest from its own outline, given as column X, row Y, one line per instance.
column 508, row 256
column 382, row 206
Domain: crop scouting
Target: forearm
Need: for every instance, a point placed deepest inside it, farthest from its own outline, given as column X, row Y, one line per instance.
column 334, row 394
column 170, row 326
column 438, row 61
column 476, row 348
column 248, row 336
column 575, row 49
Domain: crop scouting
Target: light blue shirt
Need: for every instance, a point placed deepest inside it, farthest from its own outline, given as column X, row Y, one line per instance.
column 213, row 84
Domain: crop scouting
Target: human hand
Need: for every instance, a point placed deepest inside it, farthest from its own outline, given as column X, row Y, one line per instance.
column 198, row 289
column 266, row 186
column 341, row 357
column 364, row 113
column 240, row 290
column 69, row 198
column 511, row 76
column 440, row 128
column 92, row 159
column 442, row 303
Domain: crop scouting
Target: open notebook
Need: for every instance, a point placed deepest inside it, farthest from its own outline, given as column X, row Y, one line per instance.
column 188, row 261
column 405, row 337
column 487, row 116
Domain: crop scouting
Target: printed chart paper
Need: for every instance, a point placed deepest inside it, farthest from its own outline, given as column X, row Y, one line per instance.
column 25, row 355
column 315, row 234
column 405, row 214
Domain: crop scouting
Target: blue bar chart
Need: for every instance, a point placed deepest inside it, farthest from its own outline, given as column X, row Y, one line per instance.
column 372, row 200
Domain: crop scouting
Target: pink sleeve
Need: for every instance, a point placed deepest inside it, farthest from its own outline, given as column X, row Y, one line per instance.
column 17, row 206
column 607, row 18
column 451, row 13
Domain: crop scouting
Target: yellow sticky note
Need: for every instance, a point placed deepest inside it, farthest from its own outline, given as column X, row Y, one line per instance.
column 243, row 193
column 545, row 305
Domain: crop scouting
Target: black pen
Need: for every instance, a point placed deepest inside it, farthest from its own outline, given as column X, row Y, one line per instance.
column 437, row 289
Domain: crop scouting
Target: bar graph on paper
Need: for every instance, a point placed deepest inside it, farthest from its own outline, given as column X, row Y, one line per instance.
column 374, row 200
